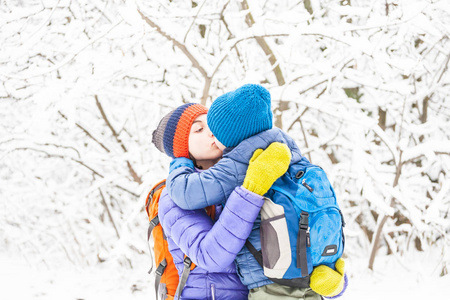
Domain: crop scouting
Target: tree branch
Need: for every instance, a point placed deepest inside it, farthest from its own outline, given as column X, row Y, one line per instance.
column 186, row 52
column 87, row 133
column 109, row 212
column 28, row 38
column 376, row 240
column 265, row 47
column 282, row 106
column 78, row 162
column 66, row 61
column 193, row 21
column 119, row 141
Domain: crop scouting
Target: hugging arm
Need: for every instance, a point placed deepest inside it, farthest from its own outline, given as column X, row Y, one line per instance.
column 211, row 246
column 214, row 246
column 192, row 190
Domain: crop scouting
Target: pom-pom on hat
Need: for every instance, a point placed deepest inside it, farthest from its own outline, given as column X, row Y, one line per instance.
column 172, row 134
column 239, row 114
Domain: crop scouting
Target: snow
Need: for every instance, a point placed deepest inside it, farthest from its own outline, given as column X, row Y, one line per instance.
column 414, row 277
column 108, row 281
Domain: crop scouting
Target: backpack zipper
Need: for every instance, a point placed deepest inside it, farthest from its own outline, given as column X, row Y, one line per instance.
column 307, row 186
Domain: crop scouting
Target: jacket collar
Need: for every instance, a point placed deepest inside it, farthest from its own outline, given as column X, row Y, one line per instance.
column 244, row 151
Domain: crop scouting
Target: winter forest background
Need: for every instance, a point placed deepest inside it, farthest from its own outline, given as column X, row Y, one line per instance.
column 360, row 84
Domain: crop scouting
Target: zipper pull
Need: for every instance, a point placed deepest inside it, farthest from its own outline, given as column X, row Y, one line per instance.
column 308, row 240
column 307, row 186
column 213, row 292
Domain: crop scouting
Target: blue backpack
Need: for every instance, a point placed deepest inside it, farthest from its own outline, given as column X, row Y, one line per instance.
column 301, row 226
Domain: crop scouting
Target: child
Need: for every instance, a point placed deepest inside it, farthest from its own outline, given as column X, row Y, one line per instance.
column 241, row 122
column 211, row 243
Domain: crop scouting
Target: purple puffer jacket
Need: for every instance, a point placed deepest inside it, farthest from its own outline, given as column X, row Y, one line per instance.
column 212, row 246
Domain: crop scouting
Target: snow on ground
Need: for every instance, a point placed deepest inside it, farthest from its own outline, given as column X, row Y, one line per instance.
column 105, row 281
column 416, row 276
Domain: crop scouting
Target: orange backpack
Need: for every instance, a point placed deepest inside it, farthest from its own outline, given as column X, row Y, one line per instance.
column 167, row 283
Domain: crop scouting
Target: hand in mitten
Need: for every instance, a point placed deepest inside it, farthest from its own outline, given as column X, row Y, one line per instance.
column 180, row 162
column 266, row 166
column 327, row 282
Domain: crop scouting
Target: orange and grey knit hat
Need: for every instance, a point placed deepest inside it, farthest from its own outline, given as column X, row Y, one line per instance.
column 172, row 134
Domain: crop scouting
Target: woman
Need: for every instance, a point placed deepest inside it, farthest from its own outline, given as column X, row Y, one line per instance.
column 211, row 243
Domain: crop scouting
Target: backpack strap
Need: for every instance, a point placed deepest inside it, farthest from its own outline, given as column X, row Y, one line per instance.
column 302, row 243
column 162, row 292
column 159, row 272
column 257, row 254
column 184, row 276
column 152, row 191
column 302, row 282
column 153, row 223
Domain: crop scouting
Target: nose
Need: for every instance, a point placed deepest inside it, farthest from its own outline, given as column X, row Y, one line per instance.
column 210, row 134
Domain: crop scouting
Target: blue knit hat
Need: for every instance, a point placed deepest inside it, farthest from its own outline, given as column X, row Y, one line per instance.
column 239, row 114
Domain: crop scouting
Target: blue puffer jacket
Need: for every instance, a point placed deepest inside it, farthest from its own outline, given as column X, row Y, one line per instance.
column 212, row 246
column 191, row 190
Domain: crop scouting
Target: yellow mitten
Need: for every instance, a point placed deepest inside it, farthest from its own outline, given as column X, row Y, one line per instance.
column 265, row 167
column 328, row 282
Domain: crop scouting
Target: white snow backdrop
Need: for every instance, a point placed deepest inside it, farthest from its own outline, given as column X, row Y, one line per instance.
column 360, row 85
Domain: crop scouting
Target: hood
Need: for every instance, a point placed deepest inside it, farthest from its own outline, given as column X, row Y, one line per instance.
column 244, row 151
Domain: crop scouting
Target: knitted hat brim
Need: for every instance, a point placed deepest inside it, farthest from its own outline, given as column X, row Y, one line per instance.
column 181, row 137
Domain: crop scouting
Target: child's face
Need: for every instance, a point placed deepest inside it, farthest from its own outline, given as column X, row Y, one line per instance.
column 201, row 142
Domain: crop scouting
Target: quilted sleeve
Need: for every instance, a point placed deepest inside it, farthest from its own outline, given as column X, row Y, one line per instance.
column 193, row 190
column 211, row 246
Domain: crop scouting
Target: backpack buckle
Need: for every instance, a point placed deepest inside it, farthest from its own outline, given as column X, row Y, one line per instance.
column 160, row 270
column 187, row 262
column 155, row 221
column 304, row 220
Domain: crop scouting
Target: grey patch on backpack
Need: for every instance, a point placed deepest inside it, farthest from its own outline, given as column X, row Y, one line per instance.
column 269, row 240
column 329, row 250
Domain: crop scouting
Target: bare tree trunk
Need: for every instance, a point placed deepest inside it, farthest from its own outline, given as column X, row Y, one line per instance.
column 379, row 230
column 308, row 7
column 382, row 118
column 424, row 116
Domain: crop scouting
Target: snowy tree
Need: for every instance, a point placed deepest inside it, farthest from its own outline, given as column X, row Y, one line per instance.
column 360, row 85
